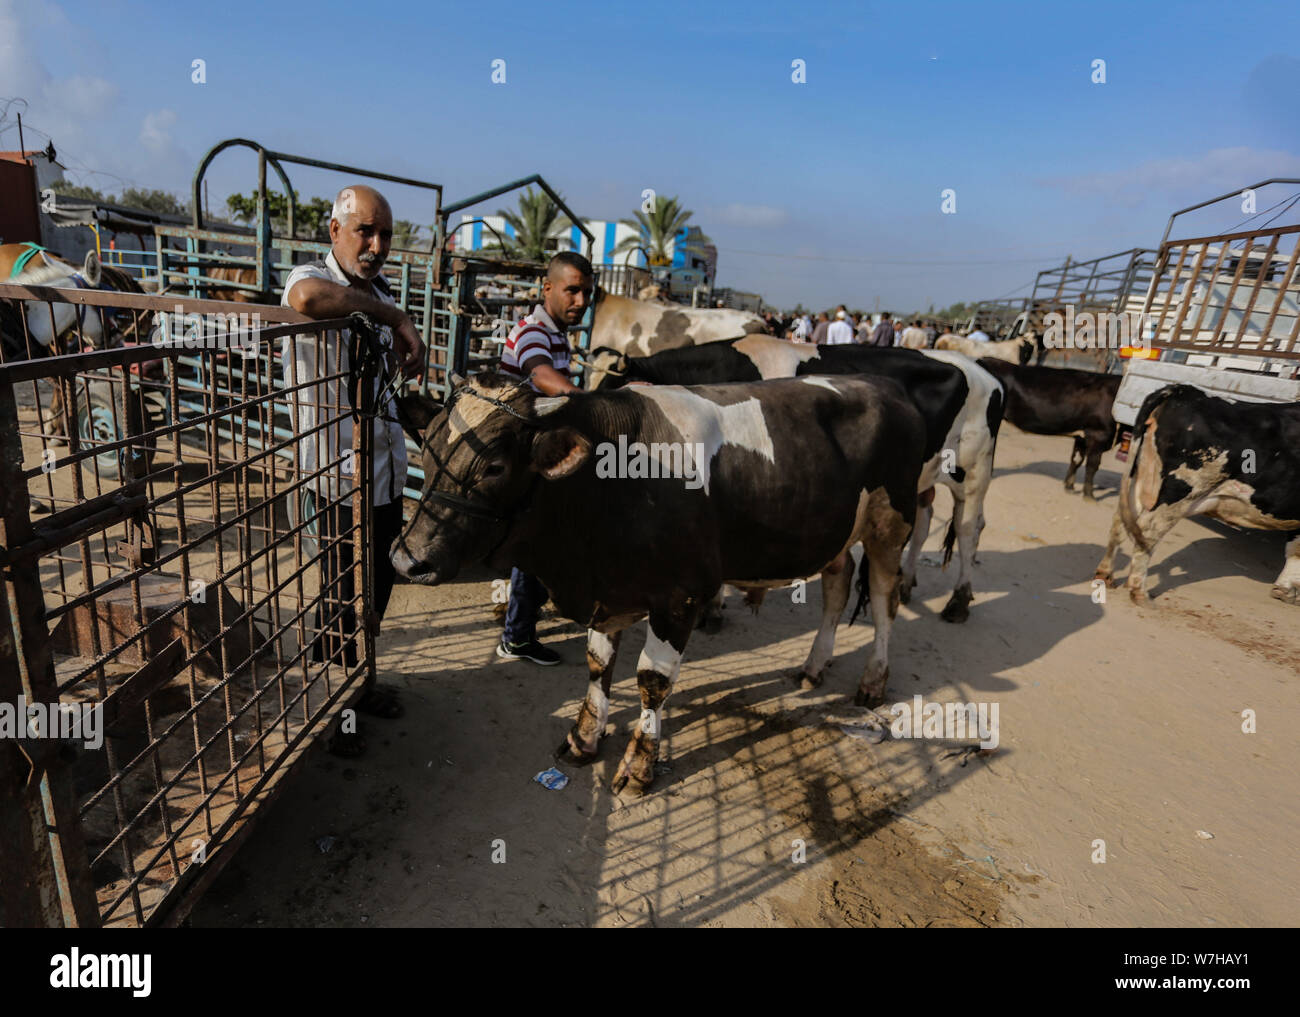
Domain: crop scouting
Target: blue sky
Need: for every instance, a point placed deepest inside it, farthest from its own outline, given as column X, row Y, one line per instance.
column 825, row 192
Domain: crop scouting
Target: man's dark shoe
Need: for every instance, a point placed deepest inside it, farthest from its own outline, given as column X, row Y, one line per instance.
column 533, row 651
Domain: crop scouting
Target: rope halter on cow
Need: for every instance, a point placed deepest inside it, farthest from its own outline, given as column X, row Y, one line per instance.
column 456, row 501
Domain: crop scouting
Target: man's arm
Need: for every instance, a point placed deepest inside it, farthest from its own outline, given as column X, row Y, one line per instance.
column 549, row 381
column 322, row 298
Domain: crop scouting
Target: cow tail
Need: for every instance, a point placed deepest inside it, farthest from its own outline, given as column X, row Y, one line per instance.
column 1128, row 509
column 949, row 539
column 864, row 587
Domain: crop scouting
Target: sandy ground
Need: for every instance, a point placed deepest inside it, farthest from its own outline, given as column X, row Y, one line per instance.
column 1117, row 724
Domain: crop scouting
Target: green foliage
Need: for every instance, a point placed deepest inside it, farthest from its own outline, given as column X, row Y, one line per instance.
column 959, row 311
column 537, row 224
column 154, row 201
column 657, row 229
column 311, row 217
column 71, row 190
column 406, row 235
column 150, row 199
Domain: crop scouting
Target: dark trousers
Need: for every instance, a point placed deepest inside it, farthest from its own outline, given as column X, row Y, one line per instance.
column 336, row 564
column 527, row 595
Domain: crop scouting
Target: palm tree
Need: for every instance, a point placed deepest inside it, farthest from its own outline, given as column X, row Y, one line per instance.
column 406, row 234
column 658, row 230
column 537, row 223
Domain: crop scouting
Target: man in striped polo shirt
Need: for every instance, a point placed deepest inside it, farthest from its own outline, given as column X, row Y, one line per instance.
column 537, row 351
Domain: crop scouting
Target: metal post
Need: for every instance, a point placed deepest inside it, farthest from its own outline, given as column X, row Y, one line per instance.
column 56, row 885
column 263, row 228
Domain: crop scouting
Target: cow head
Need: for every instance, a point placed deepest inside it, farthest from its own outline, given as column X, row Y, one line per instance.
column 606, row 368
column 482, row 454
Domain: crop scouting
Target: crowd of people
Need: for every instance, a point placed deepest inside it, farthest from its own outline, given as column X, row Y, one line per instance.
column 841, row 326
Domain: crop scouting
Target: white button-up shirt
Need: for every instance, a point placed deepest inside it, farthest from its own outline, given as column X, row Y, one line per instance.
column 309, row 356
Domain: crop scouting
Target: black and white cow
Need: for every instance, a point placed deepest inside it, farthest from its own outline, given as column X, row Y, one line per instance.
column 1061, row 400
column 1197, row 454
column 511, row 476
column 960, row 402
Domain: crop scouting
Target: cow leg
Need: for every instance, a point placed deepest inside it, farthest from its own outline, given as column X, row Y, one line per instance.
column 835, row 594
column 711, row 616
column 1095, row 449
column 581, row 743
column 920, row 532
column 1151, row 528
column 1287, row 586
column 1106, row 567
column 1076, row 460
column 882, row 554
column 656, row 671
column 964, row 520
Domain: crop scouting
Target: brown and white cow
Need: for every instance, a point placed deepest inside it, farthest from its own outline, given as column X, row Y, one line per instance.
column 735, row 473
column 638, row 328
column 1061, row 400
column 1197, row 454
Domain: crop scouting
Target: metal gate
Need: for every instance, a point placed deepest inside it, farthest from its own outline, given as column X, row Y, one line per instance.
column 167, row 651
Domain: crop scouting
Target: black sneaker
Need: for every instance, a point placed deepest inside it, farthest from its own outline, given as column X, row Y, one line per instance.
column 533, row 651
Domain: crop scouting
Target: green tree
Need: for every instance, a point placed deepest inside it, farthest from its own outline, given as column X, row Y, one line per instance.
column 406, row 234
column 311, row 217
column 154, row 201
column 657, row 232
column 537, row 223
column 71, row 190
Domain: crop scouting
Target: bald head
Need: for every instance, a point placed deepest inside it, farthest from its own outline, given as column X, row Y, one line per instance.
column 358, row 198
column 361, row 231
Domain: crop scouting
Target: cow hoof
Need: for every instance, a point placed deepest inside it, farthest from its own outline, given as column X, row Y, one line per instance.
column 1069, row 486
column 956, row 612
column 905, row 589
column 1139, row 597
column 1088, row 495
column 711, row 625
column 624, row 780
column 808, row 682
column 870, row 700
column 570, row 753
column 1287, row 596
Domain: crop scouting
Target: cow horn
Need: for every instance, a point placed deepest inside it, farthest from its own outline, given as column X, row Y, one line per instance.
column 457, row 380
column 548, row 405
column 596, row 367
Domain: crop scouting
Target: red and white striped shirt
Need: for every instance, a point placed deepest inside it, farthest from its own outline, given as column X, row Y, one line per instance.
column 533, row 335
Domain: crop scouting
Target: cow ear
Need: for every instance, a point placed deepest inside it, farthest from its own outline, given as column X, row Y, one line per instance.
column 414, row 411
column 559, row 453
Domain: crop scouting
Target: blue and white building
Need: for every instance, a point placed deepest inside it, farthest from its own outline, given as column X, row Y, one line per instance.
column 687, row 270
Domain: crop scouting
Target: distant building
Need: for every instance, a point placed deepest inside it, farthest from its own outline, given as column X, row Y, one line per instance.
column 687, row 270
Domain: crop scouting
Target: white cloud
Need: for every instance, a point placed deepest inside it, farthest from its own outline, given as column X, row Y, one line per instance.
column 750, row 215
column 1218, row 170
column 155, row 131
column 54, row 104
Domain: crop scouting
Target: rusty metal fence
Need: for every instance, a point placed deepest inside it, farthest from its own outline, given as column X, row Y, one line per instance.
column 1231, row 300
column 187, row 600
